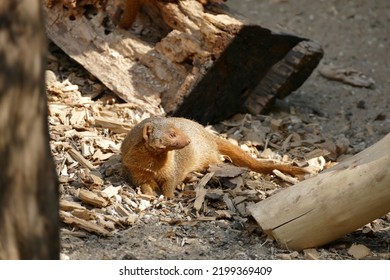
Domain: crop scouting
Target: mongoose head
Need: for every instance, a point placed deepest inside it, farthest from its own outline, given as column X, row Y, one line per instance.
column 164, row 137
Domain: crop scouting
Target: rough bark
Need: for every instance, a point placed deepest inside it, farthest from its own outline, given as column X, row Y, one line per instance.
column 29, row 222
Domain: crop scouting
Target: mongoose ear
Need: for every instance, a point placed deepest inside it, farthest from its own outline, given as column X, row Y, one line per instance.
column 148, row 130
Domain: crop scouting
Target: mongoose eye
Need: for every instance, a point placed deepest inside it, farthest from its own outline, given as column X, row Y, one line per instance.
column 172, row 134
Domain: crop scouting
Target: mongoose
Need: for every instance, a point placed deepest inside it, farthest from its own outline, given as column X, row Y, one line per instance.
column 159, row 153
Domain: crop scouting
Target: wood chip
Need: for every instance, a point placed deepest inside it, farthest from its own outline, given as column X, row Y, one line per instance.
column 110, row 191
column 229, row 203
column 241, row 208
column 91, row 178
column 256, row 137
column 92, row 198
column 107, row 224
column 131, row 219
column 86, row 225
column 112, row 124
column 316, row 153
column 77, row 116
column 80, row 159
column 143, row 205
column 286, row 142
column 214, row 194
column 87, row 149
column 311, row 254
column 84, row 214
column 267, row 154
column 66, row 205
column 346, row 75
column 199, row 199
column 239, row 199
column 121, row 210
column 316, row 164
column 286, row 178
column 223, row 214
column 276, row 123
column 201, row 191
column 237, row 182
column 100, row 156
column 359, row 251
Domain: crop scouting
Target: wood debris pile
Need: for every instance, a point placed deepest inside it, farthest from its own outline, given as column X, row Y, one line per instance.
column 86, row 133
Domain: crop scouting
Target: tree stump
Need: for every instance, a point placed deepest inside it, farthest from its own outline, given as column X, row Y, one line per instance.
column 193, row 60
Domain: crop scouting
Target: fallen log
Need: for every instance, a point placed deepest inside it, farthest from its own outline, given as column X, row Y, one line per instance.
column 192, row 60
column 339, row 200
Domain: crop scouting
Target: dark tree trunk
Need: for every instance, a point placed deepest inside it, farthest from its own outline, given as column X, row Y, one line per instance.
column 29, row 223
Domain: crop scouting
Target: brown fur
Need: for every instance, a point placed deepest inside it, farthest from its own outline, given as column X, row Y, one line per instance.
column 159, row 153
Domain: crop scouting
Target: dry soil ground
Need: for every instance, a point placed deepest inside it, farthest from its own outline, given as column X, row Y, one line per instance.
column 353, row 34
